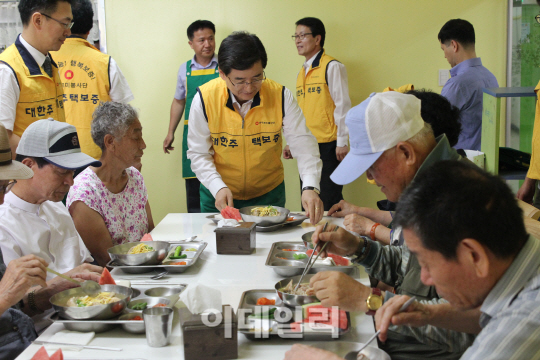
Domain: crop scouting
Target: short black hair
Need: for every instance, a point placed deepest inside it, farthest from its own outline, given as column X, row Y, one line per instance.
column 240, row 51
column 316, row 27
column 41, row 162
column 83, row 16
column 458, row 30
column 443, row 117
column 29, row 7
column 199, row 25
column 456, row 200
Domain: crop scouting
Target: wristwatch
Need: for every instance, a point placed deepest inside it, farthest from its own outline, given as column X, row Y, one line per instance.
column 374, row 301
column 317, row 191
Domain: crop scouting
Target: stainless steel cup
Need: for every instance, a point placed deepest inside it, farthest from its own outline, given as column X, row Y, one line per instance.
column 158, row 323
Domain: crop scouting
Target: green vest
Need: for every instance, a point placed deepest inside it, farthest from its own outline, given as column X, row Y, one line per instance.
column 194, row 79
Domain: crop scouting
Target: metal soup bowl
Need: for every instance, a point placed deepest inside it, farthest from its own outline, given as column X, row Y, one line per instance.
column 306, row 238
column 245, row 212
column 96, row 312
column 171, row 293
column 150, row 303
column 295, row 300
column 119, row 253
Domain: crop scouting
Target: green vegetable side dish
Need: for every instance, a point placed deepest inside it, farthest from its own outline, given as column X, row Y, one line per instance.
column 177, row 251
column 183, row 256
column 264, row 315
column 139, row 306
column 300, row 256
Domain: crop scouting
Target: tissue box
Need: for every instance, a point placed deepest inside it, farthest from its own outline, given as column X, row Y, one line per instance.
column 239, row 240
column 205, row 342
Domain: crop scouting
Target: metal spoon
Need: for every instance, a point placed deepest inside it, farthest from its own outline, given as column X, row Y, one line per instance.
column 160, row 275
column 89, row 287
column 354, row 354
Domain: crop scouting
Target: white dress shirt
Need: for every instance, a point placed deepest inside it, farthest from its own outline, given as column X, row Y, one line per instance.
column 46, row 230
column 10, row 91
column 302, row 143
column 339, row 91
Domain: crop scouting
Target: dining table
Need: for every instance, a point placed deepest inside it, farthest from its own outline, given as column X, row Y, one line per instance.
column 232, row 275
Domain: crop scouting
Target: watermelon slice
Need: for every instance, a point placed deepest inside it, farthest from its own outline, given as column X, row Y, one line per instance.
column 231, row 213
column 57, row 355
column 106, row 278
column 319, row 314
column 339, row 260
column 41, row 354
column 147, row 237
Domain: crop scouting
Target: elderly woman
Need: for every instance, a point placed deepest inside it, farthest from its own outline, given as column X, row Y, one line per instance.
column 109, row 204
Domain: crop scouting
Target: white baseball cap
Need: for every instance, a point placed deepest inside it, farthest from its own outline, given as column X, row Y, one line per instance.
column 11, row 169
column 55, row 141
column 376, row 125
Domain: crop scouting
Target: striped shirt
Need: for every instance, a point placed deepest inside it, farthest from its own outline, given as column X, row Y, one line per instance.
column 510, row 318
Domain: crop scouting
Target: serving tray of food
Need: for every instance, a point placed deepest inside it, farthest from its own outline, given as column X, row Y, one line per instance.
column 262, row 314
column 289, row 258
column 174, row 259
column 293, row 219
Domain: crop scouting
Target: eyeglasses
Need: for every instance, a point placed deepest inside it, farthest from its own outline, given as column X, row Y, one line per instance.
column 537, row 18
column 65, row 25
column 6, row 188
column 301, row 36
column 253, row 82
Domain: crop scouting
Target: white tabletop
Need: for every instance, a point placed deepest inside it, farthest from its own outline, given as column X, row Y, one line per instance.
column 231, row 274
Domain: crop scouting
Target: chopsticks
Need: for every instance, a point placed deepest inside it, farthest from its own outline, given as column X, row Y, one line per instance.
column 310, row 264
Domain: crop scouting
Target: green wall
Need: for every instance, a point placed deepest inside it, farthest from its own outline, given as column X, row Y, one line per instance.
column 382, row 43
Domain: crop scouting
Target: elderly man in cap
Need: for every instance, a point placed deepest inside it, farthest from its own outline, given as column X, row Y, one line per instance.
column 392, row 144
column 32, row 219
column 16, row 303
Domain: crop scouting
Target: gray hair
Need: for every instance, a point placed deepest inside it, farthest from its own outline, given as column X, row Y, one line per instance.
column 422, row 138
column 112, row 118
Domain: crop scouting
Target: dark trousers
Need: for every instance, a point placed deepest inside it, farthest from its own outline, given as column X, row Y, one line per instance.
column 331, row 193
column 192, row 195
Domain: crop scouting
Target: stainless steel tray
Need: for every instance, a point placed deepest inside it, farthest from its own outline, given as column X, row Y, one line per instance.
column 298, row 219
column 192, row 257
column 291, row 267
column 255, row 329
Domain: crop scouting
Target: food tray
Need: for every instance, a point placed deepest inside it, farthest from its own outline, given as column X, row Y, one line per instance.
column 255, row 329
column 292, row 267
column 298, row 219
column 192, row 257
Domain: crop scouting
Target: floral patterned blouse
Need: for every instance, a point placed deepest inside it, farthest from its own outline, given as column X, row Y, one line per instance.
column 124, row 213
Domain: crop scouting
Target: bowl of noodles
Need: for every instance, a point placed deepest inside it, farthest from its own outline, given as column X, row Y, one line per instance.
column 302, row 296
column 75, row 304
column 139, row 253
column 264, row 215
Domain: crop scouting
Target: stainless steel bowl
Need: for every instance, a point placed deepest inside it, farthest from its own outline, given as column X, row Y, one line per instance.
column 245, row 212
column 150, row 301
column 96, row 312
column 119, row 253
column 306, row 238
column 171, row 293
column 133, row 326
column 288, row 267
column 295, row 300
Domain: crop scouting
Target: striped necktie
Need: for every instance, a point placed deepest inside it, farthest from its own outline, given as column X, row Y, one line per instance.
column 47, row 66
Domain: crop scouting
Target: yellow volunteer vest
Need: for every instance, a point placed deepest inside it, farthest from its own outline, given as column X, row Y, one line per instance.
column 314, row 98
column 41, row 95
column 247, row 153
column 84, row 73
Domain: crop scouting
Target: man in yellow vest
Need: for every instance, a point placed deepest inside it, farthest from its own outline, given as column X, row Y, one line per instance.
column 29, row 83
column 192, row 74
column 88, row 77
column 322, row 92
column 235, row 134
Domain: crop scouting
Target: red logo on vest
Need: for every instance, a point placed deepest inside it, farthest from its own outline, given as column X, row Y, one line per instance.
column 68, row 74
column 256, row 123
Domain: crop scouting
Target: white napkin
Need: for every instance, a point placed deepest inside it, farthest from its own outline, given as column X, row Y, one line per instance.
column 69, row 337
column 227, row 223
column 201, row 299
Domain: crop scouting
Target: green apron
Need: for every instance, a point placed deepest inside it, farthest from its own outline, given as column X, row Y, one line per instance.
column 194, row 79
column 274, row 197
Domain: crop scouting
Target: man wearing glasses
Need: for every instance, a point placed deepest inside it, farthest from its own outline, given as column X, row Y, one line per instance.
column 322, row 92
column 30, row 87
column 235, row 134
